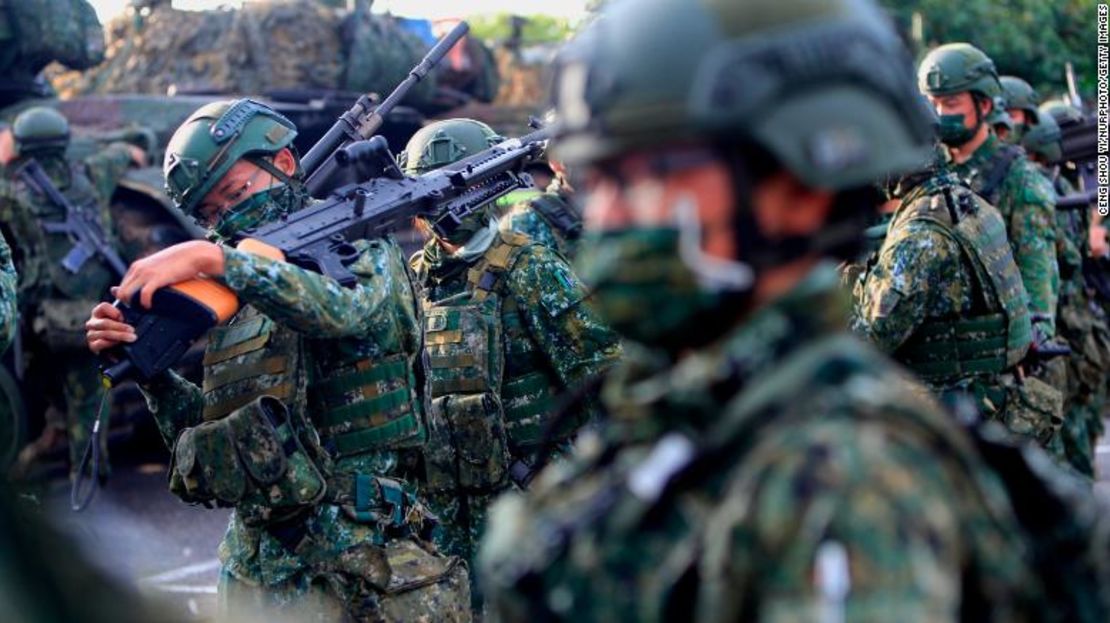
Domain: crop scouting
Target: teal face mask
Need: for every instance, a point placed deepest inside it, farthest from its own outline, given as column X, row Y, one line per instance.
column 952, row 131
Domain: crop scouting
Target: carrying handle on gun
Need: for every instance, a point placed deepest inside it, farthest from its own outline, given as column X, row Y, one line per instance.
column 363, row 120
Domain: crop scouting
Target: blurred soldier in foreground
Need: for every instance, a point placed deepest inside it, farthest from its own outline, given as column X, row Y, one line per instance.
column 961, row 83
column 56, row 292
column 757, row 464
column 1081, row 323
column 944, row 297
column 506, row 333
column 308, row 396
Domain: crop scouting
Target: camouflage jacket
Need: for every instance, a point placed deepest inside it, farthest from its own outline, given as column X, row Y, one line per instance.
column 9, row 307
column 1026, row 200
column 41, row 275
column 786, row 471
column 376, row 319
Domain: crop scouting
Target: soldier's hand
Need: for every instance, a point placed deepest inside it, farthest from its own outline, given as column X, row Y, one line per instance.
column 106, row 328
column 1099, row 246
column 181, row 262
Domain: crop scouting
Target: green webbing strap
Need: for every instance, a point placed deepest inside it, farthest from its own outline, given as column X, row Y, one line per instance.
column 366, row 409
column 270, row 365
column 462, row 360
column 217, row 410
column 517, row 196
column 363, row 440
column 533, row 383
column 441, row 387
column 334, row 388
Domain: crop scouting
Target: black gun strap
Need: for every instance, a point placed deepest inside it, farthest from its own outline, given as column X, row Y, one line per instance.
column 992, row 181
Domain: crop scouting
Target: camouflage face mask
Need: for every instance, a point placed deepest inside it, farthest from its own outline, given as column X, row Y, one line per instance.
column 645, row 290
column 258, row 209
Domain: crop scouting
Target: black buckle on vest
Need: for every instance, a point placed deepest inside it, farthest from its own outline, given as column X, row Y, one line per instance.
column 487, row 281
column 521, row 473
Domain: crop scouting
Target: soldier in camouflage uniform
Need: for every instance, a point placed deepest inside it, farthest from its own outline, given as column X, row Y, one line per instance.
column 944, row 297
column 1021, row 106
column 309, row 395
column 54, row 301
column 961, row 83
column 757, row 464
column 1080, row 322
column 506, row 332
column 9, row 307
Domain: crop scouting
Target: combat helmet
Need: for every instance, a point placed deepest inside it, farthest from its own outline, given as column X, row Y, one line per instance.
column 825, row 86
column 40, row 129
column 999, row 117
column 1020, row 95
column 213, row 139
column 957, row 68
column 1062, row 112
column 1043, row 139
column 443, row 142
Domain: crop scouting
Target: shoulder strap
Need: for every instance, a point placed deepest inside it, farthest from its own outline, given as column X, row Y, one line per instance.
column 992, row 181
column 487, row 274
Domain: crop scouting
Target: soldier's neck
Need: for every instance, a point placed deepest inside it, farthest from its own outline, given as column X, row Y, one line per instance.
column 964, row 152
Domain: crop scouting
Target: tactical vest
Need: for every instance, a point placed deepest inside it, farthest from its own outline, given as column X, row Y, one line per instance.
column 362, row 402
column 997, row 334
column 488, row 390
column 43, row 253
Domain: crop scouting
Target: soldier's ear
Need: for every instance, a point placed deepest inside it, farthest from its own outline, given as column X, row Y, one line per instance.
column 985, row 105
column 285, row 161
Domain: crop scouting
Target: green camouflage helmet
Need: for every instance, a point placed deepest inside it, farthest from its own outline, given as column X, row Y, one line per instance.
column 1043, row 139
column 213, row 139
column 958, row 68
column 824, row 85
column 40, row 129
column 1062, row 112
column 1019, row 95
column 999, row 116
column 444, row 142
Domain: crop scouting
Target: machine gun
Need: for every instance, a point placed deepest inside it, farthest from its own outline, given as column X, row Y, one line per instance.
column 320, row 237
column 322, row 170
column 81, row 224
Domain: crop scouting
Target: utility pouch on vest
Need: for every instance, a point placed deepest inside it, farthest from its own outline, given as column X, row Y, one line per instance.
column 60, row 323
column 1033, row 408
column 252, row 459
column 467, row 446
column 381, row 501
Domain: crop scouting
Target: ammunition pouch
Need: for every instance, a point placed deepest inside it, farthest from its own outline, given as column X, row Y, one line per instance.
column 252, row 460
column 60, row 323
column 467, row 445
column 1033, row 408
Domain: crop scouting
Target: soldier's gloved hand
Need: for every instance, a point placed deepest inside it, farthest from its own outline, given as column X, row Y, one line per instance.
column 106, row 328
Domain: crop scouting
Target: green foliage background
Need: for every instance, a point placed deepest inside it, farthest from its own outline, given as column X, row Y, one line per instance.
column 1027, row 38
column 538, row 29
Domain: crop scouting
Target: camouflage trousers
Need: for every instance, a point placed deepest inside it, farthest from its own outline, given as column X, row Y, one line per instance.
column 1087, row 367
column 328, row 598
column 80, row 393
column 462, row 521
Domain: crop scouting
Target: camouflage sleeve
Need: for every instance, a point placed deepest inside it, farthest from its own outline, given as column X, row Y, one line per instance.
column 840, row 517
column 380, row 306
column 525, row 220
column 552, row 301
column 913, row 271
column 9, row 310
column 1033, row 238
column 107, row 167
column 175, row 403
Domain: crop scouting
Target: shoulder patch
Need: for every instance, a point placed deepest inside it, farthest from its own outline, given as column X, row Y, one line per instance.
column 545, row 279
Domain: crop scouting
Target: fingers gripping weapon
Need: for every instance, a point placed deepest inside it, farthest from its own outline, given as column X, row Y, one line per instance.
column 319, row 238
column 363, row 120
column 81, row 224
